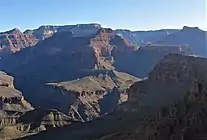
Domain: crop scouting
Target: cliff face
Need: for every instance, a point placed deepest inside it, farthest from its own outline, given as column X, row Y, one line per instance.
column 14, row 40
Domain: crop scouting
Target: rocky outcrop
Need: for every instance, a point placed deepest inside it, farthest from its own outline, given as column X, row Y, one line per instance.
column 14, row 40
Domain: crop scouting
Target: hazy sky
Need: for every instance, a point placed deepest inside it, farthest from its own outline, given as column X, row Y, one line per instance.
column 129, row 14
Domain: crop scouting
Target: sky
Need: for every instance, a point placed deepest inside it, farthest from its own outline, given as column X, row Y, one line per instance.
column 116, row 14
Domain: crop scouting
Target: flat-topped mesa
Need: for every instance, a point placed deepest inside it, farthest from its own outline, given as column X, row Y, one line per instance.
column 186, row 28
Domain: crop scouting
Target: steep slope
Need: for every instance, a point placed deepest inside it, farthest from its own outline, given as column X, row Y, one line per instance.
column 195, row 38
column 14, row 40
column 157, row 109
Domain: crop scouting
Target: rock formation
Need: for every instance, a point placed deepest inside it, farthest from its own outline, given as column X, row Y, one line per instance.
column 14, row 40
